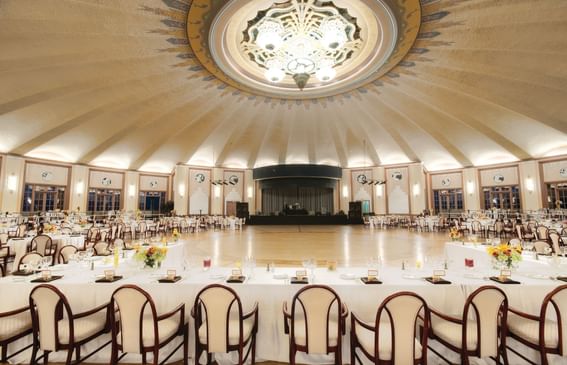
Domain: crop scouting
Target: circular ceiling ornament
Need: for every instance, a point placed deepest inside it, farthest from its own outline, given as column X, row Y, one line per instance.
column 498, row 178
column 387, row 29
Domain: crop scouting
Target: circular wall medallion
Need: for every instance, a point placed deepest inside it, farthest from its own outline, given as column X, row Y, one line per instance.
column 563, row 172
column 47, row 176
column 446, row 181
column 397, row 176
column 233, row 180
column 154, row 183
column 199, row 178
column 106, row 181
column 498, row 178
column 361, row 179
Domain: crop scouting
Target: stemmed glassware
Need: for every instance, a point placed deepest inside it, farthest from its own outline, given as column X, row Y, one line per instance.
column 310, row 264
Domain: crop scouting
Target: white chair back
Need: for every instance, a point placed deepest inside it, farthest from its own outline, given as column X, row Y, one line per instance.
column 42, row 244
column 133, row 303
column 555, row 239
column 401, row 310
column 541, row 246
column 489, row 306
column 312, row 307
column 66, row 252
column 215, row 303
column 558, row 299
column 46, row 303
column 30, row 257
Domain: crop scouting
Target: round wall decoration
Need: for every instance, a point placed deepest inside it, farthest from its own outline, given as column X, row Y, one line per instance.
column 47, row 176
column 106, row 181
column 199, row 178
column 498, row 178
column 563, row 172
column 397, row 175
column 233, row 180
column 446, row 181
column 361, row 179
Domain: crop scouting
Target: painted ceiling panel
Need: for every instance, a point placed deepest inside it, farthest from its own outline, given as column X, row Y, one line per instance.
column 118, row 84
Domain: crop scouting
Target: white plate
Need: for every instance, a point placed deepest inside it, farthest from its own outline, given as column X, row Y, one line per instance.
column 348, row 276
column 281, row 276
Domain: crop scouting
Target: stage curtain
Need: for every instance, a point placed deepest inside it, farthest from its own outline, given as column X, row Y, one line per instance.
column 313, row 199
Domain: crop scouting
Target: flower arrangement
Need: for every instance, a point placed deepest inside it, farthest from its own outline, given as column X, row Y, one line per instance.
column 48, row 228
column 175, row 234
column 505, row 255
column 152, row 256
column 454, row 233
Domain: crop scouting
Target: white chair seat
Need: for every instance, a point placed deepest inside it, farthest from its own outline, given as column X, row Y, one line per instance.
column 452, row 333
column 366, row 340
column 3, row 252
column 529, row 330
column 234, row 331
column 300, row 337
column 14, row 325
column 166, row 328
column 83, row 327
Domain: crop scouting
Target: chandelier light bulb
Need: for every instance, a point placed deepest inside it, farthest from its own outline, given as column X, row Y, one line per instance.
column 274, row 74
column 269, row 37
column 325, row 74
column 334, row 34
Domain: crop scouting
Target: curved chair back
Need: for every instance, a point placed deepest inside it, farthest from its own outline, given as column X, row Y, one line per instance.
column 213, row 306
column 21, row 230
column 555, row 239
column 476, row 227
column 42, row 244
column 30, row 257
column 92, row 234
column 542, row 232
column 47, row 306
column 66, row 252
column 101, row 249
column 541, row 246
column 118, row 242
column 133, row 303
column 489, row 305
column 520, row 231
column 515, row 242
column 558, row 299
column 401, row 310
column 313, row 306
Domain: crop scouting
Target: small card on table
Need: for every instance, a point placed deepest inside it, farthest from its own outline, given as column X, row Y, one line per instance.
column 371, row 278
column 46, row 277
column 109, row 277
column 300, row 277
column 236, row 277
column 437, row 277
column 171, row 277
column 504, row 278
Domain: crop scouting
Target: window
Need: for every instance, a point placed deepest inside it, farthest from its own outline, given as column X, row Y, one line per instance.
column 42, row 198
column 103, row 200
column 151, row 200
column 557, row 196
column 502, row 197
column 447, row 200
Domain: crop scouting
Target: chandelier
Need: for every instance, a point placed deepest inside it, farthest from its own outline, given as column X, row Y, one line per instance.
column 301, row 38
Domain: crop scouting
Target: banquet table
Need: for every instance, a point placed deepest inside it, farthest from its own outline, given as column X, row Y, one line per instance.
column 19, row 246
column 270, row 291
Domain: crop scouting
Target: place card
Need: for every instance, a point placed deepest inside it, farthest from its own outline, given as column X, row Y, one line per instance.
column 236, row 277
column 46, row 275
column 505, row 275
column 437, row 277
column 371, row 277
column 43, row 279
column 171, row 277
column 300, row 277
column 498, row 279
column 109, row 277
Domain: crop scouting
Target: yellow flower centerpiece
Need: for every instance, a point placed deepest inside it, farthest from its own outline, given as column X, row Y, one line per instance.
column 175, row 234
column 152, row 256
column 505, row 255
column 454, row 234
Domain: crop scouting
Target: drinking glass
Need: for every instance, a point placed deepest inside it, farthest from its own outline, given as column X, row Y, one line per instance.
column 206, row 263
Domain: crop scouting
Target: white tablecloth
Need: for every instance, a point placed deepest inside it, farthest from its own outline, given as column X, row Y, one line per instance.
column 78, row 285
column 19, row 246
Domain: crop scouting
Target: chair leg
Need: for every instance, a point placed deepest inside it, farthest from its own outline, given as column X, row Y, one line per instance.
column 144, row 359
column 78, row 354
column 292, row 354
column 69, row 356
column 34, row 354
column 253, row 350
column 114, row 354
column 156, row 357
column 543, row 356
column 352, row 349
column 45, row 357
column 4, row 355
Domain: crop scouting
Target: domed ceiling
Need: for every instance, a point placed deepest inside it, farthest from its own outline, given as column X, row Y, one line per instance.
column 139, row 84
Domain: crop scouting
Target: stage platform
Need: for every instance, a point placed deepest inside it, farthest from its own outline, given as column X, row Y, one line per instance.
column 298, row 220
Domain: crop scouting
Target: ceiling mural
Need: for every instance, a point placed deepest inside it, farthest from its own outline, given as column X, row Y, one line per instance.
column 135, row 85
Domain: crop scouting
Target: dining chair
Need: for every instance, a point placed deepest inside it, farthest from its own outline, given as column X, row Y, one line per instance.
column 541, row 247
column 14, row 325
column 5, row 254
column 43, row 244
column 543, row 333
column 480, row 331
column 556, row 242
column 221, row 326
column 30, row 257
column 316, row 322
column 56, row 327
column 541, row 233
column 139, row 329
column 101, row 249
column 391, row 339
column 92, row 236
column 65, row 253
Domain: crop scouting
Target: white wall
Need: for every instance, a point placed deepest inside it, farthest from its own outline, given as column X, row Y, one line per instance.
column 79, row 188
column 380, row 199
column 13, row 173
column 131, row 189
column 471, row 189
column 417, row 192
column 181, row 189
column 217, row 193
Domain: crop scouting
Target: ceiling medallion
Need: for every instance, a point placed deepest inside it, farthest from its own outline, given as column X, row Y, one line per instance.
column 301, row 38
column 303, row 49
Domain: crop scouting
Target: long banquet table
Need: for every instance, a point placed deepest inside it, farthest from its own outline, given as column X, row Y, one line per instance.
column 83, row 293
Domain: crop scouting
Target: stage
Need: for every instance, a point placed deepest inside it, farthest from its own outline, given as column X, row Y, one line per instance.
column 298, row 220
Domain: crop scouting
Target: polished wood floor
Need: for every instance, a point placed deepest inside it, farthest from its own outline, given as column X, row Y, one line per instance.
column 349, row 245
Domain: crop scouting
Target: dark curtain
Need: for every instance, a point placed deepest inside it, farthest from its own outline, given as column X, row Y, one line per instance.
column 312, row 199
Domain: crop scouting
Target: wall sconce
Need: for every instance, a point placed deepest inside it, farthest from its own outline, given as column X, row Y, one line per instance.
column 12, row 183
column 530, row 186
column 379, row 190
column 217, row 191
column 132, row 190
column 250, row 192
column 470, row 187
column 181, row 190
column 345, row 191
column 416, row 189
column 79, row 188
